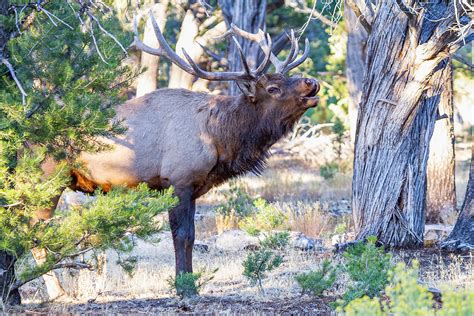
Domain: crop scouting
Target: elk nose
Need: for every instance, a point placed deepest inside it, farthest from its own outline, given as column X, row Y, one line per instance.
column 309, row 82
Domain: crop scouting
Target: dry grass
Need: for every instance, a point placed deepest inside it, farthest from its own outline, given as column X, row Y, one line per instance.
column 315, row 206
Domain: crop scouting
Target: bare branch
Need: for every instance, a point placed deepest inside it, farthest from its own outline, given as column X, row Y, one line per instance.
column 107, row 32
column 51, row 16
column 12, row 73
column 409, row 12
column 355, row 8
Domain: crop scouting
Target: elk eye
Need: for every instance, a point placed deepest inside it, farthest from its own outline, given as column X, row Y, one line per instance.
column 274, row 90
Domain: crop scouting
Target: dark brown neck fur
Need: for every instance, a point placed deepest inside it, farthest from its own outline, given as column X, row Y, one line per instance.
column 244, row 132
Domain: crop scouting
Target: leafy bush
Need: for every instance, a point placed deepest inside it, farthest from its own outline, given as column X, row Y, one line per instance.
column 102, row 223
column 406, row 296
column 237, row 201
column 187, row 284
column 258, row 263
column 368, row 267
column 278, row 240
column 316, row 282
column 329, row 170
column 266, row 217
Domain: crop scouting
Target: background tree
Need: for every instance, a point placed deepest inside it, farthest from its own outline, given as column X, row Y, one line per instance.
column 61, row 76
column 441, row 186
column 462, row 235
column 407, row 49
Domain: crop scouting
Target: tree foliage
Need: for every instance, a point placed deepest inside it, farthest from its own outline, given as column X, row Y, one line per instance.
column 71, row 94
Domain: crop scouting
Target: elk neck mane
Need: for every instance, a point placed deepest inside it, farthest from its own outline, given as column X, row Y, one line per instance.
column 244, row 132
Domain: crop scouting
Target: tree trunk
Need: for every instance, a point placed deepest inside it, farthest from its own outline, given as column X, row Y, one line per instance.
column 248, row 15
column 147, row 81
column 404, row 77
column 355, row 59
column 189, row 31
column 462, row 236
column 7, row 279
column 441, row 190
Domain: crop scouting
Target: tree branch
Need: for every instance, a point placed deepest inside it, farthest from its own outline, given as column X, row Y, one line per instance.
column 355, row 8
column 66, row 265
column 12, row 73
column 409, row 12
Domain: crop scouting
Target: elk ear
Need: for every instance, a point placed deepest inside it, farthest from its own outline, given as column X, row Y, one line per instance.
column 248, row 88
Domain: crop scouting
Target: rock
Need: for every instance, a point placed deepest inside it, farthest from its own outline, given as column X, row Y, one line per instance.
column 342, row 238
column 201, row 246
column 235, row 240
column 435, row 233
column 302, row 242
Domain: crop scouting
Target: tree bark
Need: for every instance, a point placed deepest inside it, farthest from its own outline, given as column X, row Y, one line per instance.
column 462, row 235
column 405, row 68
column 441, row 190
column 248, row 15
column 147, row 81
column 7, row 279
column 355, row 59
column 187, row 35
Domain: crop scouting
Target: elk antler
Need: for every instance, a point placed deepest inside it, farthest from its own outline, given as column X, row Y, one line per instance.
column 191, row 67
column 282, row 67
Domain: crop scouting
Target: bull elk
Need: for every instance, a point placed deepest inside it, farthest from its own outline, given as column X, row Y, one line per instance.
column 195, row 141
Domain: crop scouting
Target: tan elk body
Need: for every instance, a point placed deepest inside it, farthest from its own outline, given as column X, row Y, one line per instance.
column 194, row 141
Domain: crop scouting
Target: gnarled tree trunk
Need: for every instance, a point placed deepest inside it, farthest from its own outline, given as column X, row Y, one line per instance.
column 248, row 15
column 147, row 80
column 441, row 190
column 404, row 77
column 462, row 235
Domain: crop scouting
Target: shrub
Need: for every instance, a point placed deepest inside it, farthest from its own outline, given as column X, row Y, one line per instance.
column 316, row 282
column 329, row 170
column 266, row 217
column 237, row 201
column 368, row 267
column 278, row 240
column 187, row 284
column 258, row 263
column 406, row 296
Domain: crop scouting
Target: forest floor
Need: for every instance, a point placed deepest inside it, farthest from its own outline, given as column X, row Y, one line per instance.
column 292, row 183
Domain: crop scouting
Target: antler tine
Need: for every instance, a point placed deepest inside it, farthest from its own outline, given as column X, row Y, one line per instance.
column 299, row 61
column 242, row 56
column 283, row 64
column 164, row 50
column 217, row 76
column 267, row 50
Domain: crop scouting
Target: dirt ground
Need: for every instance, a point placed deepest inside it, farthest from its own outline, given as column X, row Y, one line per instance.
column 292, row 184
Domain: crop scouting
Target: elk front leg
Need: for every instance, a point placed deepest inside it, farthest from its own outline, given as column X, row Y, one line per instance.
column 182, row 228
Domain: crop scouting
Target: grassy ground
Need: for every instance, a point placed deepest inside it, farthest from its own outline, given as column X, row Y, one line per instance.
column 316, row 206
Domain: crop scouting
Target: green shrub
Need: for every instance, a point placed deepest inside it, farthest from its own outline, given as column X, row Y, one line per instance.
column 316, row 282
column 405, row 296
column 329, row 170
column 187, row 284
column 258, row 263
column 278, row 240
column 266, row 217
column 237, row 201
column 368, row 267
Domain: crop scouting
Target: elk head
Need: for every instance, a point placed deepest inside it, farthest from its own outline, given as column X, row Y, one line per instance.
column 294, row 94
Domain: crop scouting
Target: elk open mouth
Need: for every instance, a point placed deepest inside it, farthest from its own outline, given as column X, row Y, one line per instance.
column 311, row 100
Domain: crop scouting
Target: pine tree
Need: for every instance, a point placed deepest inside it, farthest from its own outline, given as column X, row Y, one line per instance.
column 69, row 64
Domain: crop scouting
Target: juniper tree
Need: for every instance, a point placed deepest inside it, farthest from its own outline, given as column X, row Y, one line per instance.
column 61, row 74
